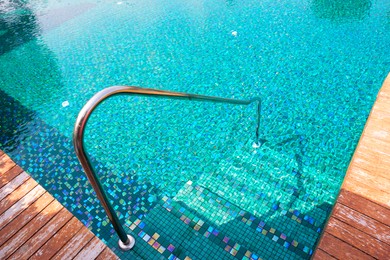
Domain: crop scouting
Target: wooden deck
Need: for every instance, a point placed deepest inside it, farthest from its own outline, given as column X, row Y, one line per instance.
column 36, row 226
column 359, row 226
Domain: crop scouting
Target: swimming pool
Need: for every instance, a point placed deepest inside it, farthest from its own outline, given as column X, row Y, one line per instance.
column 184, row 176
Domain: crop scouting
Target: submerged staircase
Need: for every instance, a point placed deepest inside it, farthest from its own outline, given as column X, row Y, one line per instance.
column 253, row 206
column 235, row 212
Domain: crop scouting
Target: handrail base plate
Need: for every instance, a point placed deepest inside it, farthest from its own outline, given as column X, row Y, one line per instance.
column 126, row 247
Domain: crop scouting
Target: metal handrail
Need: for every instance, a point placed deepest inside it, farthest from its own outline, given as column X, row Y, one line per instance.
column 126, row 241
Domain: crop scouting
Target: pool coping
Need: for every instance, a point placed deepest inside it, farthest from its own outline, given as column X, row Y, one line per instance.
column 34, row 225
column 359, row 225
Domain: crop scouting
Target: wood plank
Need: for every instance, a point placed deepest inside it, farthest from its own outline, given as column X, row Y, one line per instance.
column 382, row 103
column 383, row 99
column 377, row 126
column 359, row 187
column 371, row 209
column 372, row 144
column 371, row 179
column 9, row 175
column 52, row 246
column 17, row 194
column 362, row 222
column 319, row 254
column 358, row 239
column 107, row 254
column 374, row 161
column 22, row 219
column 5, row 163
column 91, row 250
column 339, row 249
column 73, row 247
column 384, row 93
column 30, row 229
column 13, row 184
column 44, row 234
column 22, row 204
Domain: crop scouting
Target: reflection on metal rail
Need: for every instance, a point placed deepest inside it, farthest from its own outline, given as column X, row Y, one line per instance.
column 126, row 241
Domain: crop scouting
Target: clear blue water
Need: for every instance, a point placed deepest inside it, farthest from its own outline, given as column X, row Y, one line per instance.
column 317, row 65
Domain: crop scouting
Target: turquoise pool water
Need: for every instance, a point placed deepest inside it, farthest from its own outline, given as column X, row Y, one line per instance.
column 184, row 176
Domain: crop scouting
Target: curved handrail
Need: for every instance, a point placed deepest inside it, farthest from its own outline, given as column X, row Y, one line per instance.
column 126, row 241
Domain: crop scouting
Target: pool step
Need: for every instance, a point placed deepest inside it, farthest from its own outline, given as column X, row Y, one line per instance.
column 245, row 201
column 180, row 225
column 187, row 232
column 242, row 208
column 167, row 231
column 259, row 201
column 228, row 217
column 180, row 233
column 247, row 181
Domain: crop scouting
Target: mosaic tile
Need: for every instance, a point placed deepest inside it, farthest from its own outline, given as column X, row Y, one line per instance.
column 245, row 217
column 210, row 231
column 317, row 71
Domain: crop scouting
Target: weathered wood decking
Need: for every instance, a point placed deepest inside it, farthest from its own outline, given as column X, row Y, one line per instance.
column 36, row 226
column 359, row 226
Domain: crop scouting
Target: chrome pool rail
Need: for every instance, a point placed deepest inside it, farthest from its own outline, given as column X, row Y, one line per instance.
column 126, row 242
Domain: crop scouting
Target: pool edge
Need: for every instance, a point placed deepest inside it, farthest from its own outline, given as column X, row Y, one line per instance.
column 360, row 219
column 35, row 224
